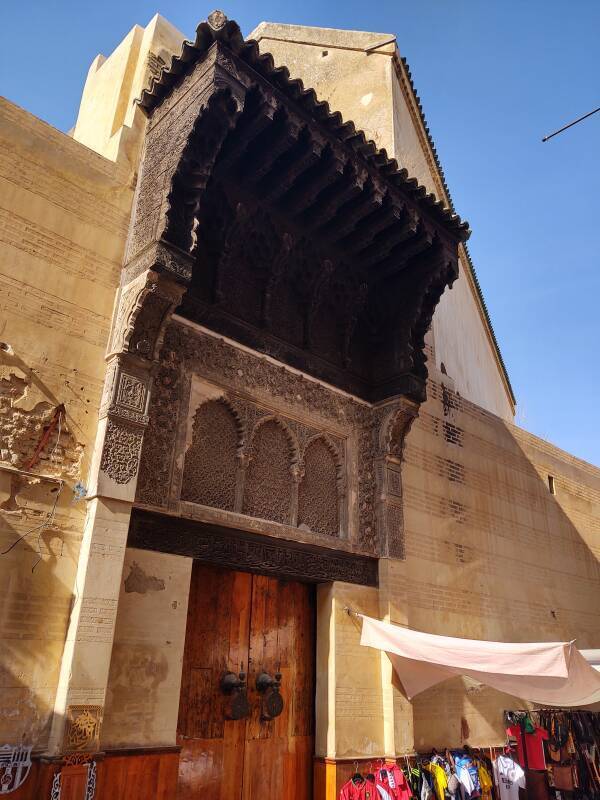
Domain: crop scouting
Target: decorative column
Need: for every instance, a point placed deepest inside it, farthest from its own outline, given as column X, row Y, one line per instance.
column 393, row 424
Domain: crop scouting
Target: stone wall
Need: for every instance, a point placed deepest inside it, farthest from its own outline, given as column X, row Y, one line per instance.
column 64, row 213
column 491, row 553
column 142, row 700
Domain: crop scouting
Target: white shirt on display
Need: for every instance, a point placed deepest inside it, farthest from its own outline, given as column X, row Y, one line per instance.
column 509, row 777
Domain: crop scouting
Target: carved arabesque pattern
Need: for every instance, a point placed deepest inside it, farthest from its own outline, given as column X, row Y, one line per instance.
column 195, row 165
column 269, row 482
column 318, row 492
column 121, row 452
column 251, row 247
column 229, row 366
column 379, row 431
column 159, row 440
column 209, row 474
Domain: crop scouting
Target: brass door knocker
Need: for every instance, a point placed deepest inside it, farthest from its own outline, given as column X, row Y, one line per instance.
column 272, row 701
column 235, row 688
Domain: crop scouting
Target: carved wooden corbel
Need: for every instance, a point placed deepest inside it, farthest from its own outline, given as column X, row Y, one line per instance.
column 393, row 424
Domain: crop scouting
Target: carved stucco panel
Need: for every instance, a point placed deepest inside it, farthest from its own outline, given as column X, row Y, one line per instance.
column 121, row 452
column 372, row 435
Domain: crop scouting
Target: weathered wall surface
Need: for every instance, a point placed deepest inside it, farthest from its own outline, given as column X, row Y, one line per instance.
column 491, row 553
column 142, row 700
column 462, row 344
column 372, row 88
column 64, row 213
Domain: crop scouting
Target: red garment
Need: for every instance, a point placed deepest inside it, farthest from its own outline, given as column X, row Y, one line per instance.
column 535, row 746
column 398, row 778
column 393, row 780
column 358, row 791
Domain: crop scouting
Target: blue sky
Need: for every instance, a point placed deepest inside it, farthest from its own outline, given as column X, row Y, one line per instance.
column 494, row 77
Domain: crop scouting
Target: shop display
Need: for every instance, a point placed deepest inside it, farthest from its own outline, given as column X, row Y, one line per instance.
column 457, row 775
column 387, row 782
column 550, row 754
column 559, row 751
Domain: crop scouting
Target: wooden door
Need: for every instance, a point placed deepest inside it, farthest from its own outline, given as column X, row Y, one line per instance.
column 237, row 620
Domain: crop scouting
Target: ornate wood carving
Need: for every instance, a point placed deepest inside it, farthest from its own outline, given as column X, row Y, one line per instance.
column 270, row 475
column 281, row 227
column 291, row 178
column 379, row 431
column 320, row 491
column 252, row 553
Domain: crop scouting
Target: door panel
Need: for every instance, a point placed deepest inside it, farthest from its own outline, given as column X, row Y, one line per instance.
column 262, row 624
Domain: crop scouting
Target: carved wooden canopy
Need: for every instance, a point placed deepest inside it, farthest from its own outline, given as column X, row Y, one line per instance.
column 292, row 233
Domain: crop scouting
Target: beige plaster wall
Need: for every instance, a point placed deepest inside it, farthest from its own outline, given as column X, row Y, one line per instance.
column 462, row 343
column 373, row 90
column 490, row 552
column 109, row 121
column 336, row 64
column 64, row 212
column 142, row 700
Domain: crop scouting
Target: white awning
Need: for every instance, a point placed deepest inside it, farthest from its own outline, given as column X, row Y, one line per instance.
column 548, row 673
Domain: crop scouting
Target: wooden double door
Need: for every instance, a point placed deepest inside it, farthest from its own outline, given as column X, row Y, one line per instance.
column 256, row 624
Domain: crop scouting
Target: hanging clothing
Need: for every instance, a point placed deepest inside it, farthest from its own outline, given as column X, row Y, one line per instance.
column 398, row 783
column 464, row 777
column 509, row 777
column 440, row 780
column 453, row 786
column 391, row 782
column 486, row 783
column 415, row 781
column 467, row 774
column 358, row 791
column 533, row 756
column 383, row 789
column 426, row 793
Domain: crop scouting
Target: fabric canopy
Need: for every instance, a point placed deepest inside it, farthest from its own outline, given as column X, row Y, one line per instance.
column 548, row 673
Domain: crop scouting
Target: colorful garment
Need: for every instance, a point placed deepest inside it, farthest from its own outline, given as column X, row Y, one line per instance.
column 486, row 782
column 468, row 774
column 440, row 780
column 398, row 783
column 509, row 778
column 363, row 790
column 534, row 744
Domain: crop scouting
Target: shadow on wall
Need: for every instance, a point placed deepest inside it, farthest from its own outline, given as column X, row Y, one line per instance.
column 495, row 551
column 41, row 526
column 36, row 605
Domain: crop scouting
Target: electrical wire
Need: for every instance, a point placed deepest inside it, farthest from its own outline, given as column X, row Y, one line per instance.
column 570, row 124
column 49, row 517
column 41, row 527
column 52, row 514
column 47, row 524
column 60, row 415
